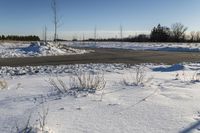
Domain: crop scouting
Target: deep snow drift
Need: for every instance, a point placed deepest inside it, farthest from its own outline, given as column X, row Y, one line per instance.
column 8, row 50
column 167, row 102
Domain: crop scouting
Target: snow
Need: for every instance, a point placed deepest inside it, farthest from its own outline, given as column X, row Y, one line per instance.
column 165, row 103
column 175, row 47
column 9, row 50
column 175, row 67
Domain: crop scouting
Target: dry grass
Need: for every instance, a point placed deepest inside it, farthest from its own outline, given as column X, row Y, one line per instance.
column 39, row 126
column 196, row 77
column 79, row 84
column 58, row 85
column 86, row 83
column 3, row 85
column 137, row 77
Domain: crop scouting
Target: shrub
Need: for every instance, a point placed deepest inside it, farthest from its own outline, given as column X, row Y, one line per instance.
column 43, row 119
column 137, row 78
column 58, row 86
column 86, row 83
column 79, row 84
column 41, row 127
column 196, row 77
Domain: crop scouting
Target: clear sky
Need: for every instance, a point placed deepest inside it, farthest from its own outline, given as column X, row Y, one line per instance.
column 80, row 16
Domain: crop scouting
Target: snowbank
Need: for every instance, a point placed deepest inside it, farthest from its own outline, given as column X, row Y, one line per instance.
column 36, row 49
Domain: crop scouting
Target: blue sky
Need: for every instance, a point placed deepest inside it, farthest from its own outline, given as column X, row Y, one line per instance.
column 80, row 16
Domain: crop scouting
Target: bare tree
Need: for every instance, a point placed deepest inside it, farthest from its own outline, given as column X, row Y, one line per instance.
column 83, row 39
column 45, row 35
column 178, row 31
column 56, row 19
column 198, row 36
column 192, row 35
column 75, row 38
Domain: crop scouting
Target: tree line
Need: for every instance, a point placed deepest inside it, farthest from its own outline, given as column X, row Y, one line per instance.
column 175, row 33
column 19, row 38
column 138, row 38
column 165, row 34
column 159, row 33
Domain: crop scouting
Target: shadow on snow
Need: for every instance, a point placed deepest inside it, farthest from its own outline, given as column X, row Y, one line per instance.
column 195, row 126
column 172, row 68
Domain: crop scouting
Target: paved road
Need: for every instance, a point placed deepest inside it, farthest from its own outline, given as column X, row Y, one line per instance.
column 107, row 56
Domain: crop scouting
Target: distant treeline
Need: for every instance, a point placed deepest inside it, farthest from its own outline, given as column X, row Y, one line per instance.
column 159, row 33
column 19, row 38
column 177, row 33
column 138, row 38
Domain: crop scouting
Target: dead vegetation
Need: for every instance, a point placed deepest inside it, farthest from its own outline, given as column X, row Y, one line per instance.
column 80, row 84
column 137, row 77
column 3, row 84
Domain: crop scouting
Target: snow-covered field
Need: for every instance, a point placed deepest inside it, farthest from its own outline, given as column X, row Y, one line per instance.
column 8, row 50
column 180, row 47
column 166, row 102
column 147, row 98
column 36, row 49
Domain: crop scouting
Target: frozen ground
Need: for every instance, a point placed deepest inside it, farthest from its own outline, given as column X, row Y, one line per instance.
column 180, row 47
column 167, row 102
column 8, row 50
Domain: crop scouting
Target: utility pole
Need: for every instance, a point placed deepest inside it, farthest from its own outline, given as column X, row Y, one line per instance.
column 83, row 39
column 95, row 34
column 56, row 20
column 121, row 33
column 45, row 35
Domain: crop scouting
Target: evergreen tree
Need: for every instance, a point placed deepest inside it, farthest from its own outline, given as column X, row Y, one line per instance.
column 160, row 34
column 3, row 37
